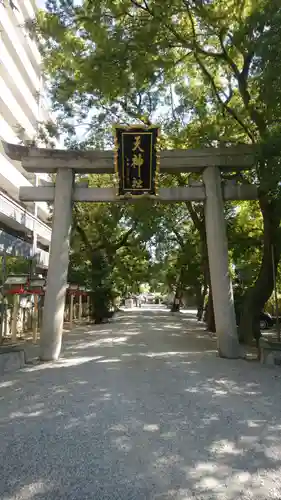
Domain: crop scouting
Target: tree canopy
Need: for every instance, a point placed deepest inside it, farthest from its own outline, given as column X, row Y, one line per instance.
column 209, row 73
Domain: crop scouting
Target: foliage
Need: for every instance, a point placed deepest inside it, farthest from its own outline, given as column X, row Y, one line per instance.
column 14, row 265
column 99, row 231
column 205, row 70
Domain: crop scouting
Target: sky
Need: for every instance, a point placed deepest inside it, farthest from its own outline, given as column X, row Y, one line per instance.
column 81, row 131
column 40, row 3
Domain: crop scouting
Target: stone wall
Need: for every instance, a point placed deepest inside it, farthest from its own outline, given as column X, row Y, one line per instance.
column 270, row 352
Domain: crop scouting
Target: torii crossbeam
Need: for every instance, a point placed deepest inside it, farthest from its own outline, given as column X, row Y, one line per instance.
column 209, row 162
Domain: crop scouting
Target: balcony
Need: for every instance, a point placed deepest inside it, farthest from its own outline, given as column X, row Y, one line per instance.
column 14, row 246
column 42, row 258
column 19, row 248
column 14, row 21
column 12, row 76
column 12, row 112
column 15, row 216
column 12, row 176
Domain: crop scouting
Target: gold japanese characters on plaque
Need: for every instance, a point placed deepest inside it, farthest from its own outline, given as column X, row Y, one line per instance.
column 136, row 160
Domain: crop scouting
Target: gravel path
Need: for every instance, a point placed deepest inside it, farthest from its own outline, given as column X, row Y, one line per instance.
column 141, row 409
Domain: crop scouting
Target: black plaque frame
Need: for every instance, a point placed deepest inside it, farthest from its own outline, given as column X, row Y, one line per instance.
column 136, row 160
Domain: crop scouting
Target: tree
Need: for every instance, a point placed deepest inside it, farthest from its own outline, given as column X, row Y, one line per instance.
column 99, row 232
column 103, row 52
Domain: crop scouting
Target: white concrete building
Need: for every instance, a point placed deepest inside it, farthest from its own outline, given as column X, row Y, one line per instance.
column 23, row 227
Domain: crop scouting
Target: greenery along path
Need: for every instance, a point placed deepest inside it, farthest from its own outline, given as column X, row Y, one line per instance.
column 141, row 409
column 209, row 72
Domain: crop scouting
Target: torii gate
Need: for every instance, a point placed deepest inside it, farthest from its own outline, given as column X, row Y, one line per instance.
column 208, row 162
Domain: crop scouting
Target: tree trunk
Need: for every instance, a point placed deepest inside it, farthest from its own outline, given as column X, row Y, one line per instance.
column 176, row 304
column 257, row 296
column 211, row 326
column 178, row 294
column 199, row 224
column 200, row 299
column 101, row 297
column 199, row 303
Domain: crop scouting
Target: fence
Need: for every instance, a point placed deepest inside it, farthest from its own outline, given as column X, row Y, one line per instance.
column 21, row 320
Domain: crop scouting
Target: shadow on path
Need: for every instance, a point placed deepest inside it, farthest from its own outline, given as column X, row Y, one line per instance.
column 141, row 409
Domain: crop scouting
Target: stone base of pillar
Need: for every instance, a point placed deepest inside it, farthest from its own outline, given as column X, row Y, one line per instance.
column 229, row 348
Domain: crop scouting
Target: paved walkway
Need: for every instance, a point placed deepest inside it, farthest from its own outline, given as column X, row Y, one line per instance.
column 141, row 409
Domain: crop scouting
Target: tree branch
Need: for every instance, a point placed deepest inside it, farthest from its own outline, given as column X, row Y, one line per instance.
column 226, row 56
column 224, row 105
column 179, row 238
column 139, row 6
column 80, row 230
column 242, row 80
column 124, row 238
column 122, row 241
column 198, row 223
column 134, row 114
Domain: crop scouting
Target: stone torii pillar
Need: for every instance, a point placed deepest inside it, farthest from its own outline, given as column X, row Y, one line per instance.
column 228, row 345
column 53, row 313
column 66, row 162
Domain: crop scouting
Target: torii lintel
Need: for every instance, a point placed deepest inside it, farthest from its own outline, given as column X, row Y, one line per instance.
column 174, row 161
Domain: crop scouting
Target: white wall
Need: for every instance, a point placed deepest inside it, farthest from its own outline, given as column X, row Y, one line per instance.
column 20, row 89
